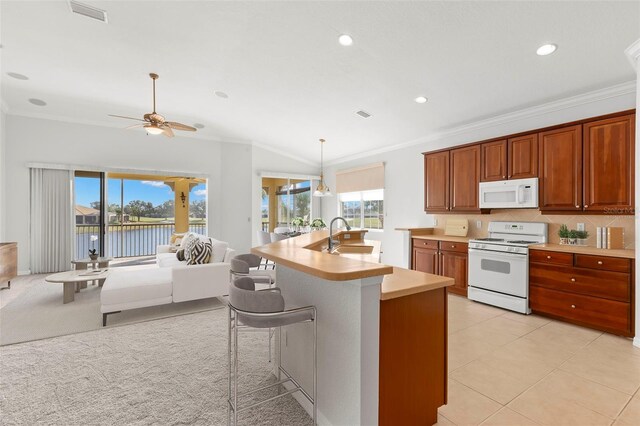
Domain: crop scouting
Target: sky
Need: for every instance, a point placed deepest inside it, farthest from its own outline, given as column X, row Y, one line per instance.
column 88, row 190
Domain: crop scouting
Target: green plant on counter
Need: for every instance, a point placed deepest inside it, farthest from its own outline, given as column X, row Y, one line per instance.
column 318, row 223
column 297, row 221
column 563, row 232
column 573, row 234
column 582, row 235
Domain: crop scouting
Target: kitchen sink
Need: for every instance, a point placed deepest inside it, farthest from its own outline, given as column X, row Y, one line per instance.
column 353, row 249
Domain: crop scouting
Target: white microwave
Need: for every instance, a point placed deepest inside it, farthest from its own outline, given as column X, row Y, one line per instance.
column 509, row 194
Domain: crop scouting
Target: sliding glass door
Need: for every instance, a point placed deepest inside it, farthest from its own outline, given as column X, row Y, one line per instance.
column 89, row 213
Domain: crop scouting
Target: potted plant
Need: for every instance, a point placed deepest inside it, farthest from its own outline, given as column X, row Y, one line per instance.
column 317, row 224
column 573, row 237
column 296, row 223
column 582, row 237
column 93, row 255
column 563, row 233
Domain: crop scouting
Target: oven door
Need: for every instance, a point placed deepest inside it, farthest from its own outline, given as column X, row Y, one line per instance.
column 505, row 273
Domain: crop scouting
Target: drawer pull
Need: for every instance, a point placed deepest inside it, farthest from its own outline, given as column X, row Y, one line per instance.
column 599, row 262
column 453, row 246
column 573, row 306
column 586, row 206
column 577, row 207
column 548, row 257
column 573, row 280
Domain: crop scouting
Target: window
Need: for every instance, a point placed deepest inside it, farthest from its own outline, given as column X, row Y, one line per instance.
column 294, row 200
column 363, row 209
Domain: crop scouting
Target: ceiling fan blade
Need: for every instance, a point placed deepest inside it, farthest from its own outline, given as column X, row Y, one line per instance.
column 179, row 126
column 134, row 126
column 122, row 116
column 167, row 131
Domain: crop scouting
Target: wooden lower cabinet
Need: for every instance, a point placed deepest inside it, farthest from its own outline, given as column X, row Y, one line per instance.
column 8, row 263
column 455, row 265
column 413, row 358
column 426, row 260
column 593, row 291
column 446, row 258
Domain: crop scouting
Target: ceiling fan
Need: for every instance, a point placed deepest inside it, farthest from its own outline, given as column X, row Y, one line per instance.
column 153, row 122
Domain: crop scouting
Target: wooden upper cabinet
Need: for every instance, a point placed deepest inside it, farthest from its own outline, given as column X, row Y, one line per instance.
column 560, row 155
column 465, row 178
column 523, row 157
column 609, row 164
column 436, row 181
column 493, row 161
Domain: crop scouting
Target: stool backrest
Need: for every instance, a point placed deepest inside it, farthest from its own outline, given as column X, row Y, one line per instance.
column 277, row 237
column 263, row 238
column 242, row 296
column 251, row 259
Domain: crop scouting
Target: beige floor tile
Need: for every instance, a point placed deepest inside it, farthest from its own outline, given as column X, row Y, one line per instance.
column 526, row 351
column 568, row 336
column 443, row 421
column 631, row 414
column 620, row 371
column 500, row 376
column 466, row 406
column 489, row 332
column 463, row 350
column 457, row 323
column 532, row 320
column 615, row 344
column 507, row 417
column 504, row 324
column 563, row 398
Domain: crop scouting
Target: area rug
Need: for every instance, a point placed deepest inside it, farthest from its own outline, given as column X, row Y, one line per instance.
column 168, row 371
column 38, row 312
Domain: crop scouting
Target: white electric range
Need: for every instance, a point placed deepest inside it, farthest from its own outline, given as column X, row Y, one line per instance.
column 499, row 264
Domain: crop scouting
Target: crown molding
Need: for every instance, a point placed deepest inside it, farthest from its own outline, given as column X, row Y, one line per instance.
column 523, row 114
column 633, row 53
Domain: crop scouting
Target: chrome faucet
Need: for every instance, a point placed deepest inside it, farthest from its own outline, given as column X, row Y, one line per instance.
column 331, row 240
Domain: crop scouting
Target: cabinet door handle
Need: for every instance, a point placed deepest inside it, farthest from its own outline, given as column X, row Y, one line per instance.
column 503, row 177
column 577, row 206
column 573, row 280
column 586, row 206
column 599, row 262
column 573, row 306
column 509, row 176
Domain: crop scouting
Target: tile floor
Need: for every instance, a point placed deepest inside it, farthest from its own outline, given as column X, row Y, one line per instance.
column 512, row 369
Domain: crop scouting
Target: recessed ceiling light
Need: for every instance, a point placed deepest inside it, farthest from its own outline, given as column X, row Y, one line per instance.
column 421, row 99
column 221, row 95
column 17, row 76
column 198, row 125
column 546, row 49
column 345, row 40
column 38, row 102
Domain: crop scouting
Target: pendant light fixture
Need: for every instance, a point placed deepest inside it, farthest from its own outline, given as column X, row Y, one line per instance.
column 322, row 190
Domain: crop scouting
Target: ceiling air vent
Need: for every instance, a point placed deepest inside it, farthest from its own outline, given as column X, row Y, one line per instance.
column 89, row 11
column 363, row 114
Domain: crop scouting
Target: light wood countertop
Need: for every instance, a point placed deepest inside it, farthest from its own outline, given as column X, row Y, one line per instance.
column 404, row 282
column 451, row 238
column 301, row 253
column 565, row 248
column 298, row 253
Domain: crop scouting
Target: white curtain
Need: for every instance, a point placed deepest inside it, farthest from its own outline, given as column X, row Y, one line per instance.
column 51, row 220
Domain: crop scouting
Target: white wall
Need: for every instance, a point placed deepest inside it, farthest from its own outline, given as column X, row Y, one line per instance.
column 2, row 174
column 268, row 161
column 38, row 140
column 404, row 167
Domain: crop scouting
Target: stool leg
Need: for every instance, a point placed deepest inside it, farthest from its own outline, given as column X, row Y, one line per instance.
column 279, row 348
column 229, row 370
column 269, row 345
column 315, row 369
column 235, row 372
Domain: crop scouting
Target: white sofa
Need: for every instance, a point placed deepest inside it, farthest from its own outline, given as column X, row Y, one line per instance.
column 172, row 281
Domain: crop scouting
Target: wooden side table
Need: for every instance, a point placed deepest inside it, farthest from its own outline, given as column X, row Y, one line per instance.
column 101, row 262
column 8, row 263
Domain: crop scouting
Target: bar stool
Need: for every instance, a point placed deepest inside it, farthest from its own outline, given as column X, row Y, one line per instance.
column 241, row 267
column 251, row 308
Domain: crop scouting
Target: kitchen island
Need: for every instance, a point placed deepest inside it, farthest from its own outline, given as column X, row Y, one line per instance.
column 382, row 350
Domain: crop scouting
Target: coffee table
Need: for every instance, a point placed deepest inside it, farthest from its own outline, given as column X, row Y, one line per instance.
column 71, row 280
column 101, row 262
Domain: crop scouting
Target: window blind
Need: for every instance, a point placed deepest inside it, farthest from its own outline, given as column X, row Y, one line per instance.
column 365, row 178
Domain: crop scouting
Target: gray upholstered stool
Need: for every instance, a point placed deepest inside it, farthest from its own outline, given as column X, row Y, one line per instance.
column 264, row 309
column 245, row 264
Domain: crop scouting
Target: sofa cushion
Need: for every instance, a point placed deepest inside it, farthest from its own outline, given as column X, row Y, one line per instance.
column 188, row 249
column 180, row 255
column 200, row 253
column 127, row 286
column 218, row 250
column 168, row 260
column 188, row 237
column 176, row 238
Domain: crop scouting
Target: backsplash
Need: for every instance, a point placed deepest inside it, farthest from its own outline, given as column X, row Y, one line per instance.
column 554, row 221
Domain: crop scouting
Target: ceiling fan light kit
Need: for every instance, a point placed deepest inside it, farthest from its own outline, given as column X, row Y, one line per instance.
column 154, row 123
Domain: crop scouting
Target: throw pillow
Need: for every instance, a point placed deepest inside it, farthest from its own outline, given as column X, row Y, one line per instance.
column 188, row 248
column 180, row 255
column 188, row 237
column 176, row 238
column 200, row 253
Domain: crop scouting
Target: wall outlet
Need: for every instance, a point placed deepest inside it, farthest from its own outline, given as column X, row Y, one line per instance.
column 580, row 227
column 478, row 224
column 435, row 222
column 346, row 236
